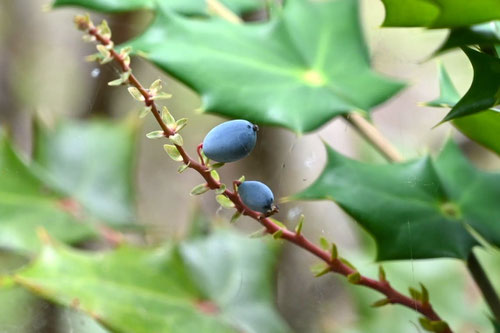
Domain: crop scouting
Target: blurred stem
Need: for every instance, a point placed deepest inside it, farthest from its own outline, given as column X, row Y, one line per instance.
column 484, row 284
column 371, row 134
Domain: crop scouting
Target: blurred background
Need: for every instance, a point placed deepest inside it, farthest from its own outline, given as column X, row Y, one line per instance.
column 43, row 74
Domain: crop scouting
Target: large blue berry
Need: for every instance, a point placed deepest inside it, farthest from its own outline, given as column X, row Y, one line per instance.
column 257, row 196
column 230, row 141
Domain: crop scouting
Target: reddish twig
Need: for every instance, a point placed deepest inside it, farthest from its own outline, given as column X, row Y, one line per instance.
column 333, row 264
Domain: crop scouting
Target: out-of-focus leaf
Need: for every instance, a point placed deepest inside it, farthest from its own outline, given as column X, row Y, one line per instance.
column 484, row 93
column 222, row 283
column 26, row 204
column 286, row 72
column 20, row 311
column 439, row 13
column 482, row 34
column 482, row 127
column 417, row 209
column 187, row 7
column 92, row 162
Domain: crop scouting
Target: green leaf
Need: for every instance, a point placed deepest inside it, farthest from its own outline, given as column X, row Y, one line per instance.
column 200, row 189
column 224, row 201
column 485, row 34
column 431, row 203
column 439, row 13
column 93, row 162
column 484, row 93
column 273, row 70
column 190, row 7
column 204, row 285
column 173, row 153
column 482, row 127
column 27, row 204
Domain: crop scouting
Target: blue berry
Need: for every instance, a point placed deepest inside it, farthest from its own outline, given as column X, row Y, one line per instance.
column 230, row 141
column 257, row 196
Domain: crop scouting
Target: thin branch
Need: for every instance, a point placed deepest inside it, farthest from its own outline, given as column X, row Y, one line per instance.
column 374, row 137
column 333, row 264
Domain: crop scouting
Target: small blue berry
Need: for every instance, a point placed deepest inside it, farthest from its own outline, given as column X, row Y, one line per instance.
column 230, row 141
column 257, row 196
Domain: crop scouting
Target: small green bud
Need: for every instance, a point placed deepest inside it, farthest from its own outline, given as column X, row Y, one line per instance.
column 354, row 278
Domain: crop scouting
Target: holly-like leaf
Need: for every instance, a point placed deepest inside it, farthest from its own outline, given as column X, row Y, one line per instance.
column 439, row 13
column 417, row 209
column 482, row 127
column 26, row 204
column 186, row 7
column 485, row 35
column 92, row 162
column 484, row 93
column 286, row 72
column 222, row 283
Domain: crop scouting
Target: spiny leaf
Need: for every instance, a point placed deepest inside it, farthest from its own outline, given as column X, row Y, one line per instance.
column 26, row 203
column 431, row 202
column 286, row 52
column 92, row 162
column 481, row 127
column 484, row 93
column 184, row 287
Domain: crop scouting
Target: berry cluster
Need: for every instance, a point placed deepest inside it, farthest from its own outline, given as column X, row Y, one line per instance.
column 231, row 141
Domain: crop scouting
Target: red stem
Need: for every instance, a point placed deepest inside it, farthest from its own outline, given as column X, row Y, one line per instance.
column 335, row 264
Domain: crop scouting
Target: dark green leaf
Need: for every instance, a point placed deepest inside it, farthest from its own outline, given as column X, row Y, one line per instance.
column 187, row 7
column 92, row 162
column 485, row 34
column 416, row 209
column 482, row 127
column 26, row 204
column 439, row 13
column 484, row 93
column 222, row 283
column 273, row 72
